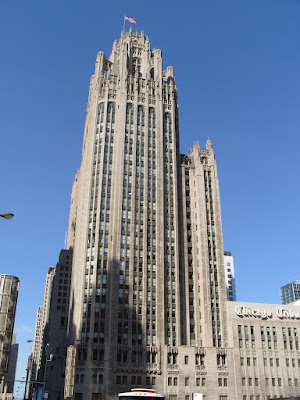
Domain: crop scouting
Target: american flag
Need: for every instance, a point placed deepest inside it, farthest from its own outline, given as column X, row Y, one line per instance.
column 130, row 19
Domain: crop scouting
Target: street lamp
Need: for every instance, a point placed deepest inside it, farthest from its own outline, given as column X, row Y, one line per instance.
column 28, row 374
column 6, row 215
column 47, row 353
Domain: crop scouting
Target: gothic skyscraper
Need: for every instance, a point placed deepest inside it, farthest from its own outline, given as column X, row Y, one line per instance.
column 147, row 303
column 145, row 226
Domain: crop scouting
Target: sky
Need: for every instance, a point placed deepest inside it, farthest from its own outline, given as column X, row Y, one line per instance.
column 237, row 68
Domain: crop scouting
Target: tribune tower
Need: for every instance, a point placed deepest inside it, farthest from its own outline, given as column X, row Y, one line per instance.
column 146, row 303
column 145, row 229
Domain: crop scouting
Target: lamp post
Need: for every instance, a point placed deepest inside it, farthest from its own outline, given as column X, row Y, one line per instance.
column 28, row 382
column 6, row 215
column 45, row 368
column 28, row 370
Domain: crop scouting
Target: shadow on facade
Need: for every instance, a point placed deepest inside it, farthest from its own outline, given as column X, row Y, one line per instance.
column 112, row 356
column 55, row 341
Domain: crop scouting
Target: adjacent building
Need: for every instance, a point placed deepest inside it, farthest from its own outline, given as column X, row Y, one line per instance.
column 149, row 281
column 229, row 276
column 39, row 342
column 290, row 292
column 266, row 356
column 7, row 386
column 56, row 328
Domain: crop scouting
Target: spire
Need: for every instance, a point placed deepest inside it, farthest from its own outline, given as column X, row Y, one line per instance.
column 209, row 144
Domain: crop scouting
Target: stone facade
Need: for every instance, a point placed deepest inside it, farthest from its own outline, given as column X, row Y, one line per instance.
column 265, row 343
column 148, row 303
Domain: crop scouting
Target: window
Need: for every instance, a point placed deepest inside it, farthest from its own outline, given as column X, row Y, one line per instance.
column 186, row 381
column 287, row 361
column 186, row 359
column 265, row 362
column 267, row 381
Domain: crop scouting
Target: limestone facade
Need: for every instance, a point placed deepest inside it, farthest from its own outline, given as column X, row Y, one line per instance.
column 148, row 304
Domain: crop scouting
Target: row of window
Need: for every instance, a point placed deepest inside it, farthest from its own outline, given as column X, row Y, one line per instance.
column 268, row 382
column 200, row 381
column 268, row 344
column 102, row 249
column 169, row 230
column 139, row 215
column 268, row 330
column 270, row 362
column 135, row 380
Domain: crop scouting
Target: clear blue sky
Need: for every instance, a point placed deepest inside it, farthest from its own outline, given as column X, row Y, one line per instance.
column 237, row 68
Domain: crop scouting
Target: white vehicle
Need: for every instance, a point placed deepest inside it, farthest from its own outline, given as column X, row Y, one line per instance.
column 140, row 394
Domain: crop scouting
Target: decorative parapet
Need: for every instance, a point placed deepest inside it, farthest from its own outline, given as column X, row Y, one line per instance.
column 200, row 368
column 173, row 366
column 200, row 350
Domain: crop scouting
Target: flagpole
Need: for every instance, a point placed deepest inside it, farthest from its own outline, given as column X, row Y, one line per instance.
column 124, row 24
